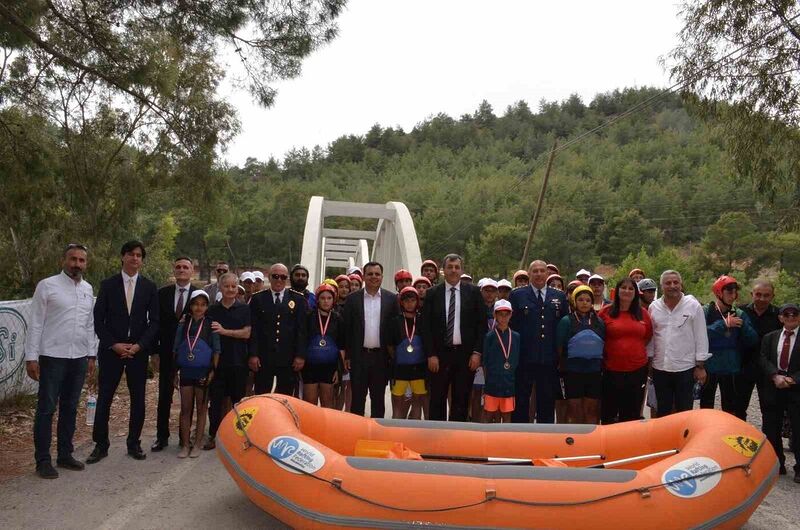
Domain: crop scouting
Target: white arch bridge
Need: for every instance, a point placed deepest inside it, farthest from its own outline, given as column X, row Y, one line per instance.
column 393, row 242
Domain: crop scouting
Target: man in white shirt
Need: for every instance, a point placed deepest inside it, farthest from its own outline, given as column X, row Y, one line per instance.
column 58, row 355
column 679, row 347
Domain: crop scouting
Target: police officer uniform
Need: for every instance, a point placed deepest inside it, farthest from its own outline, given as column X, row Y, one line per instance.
column 278, row 335
column 535, row 317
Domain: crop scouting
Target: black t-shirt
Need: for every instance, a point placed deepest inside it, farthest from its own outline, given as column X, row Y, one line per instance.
column 765, row 323
column 237, row 316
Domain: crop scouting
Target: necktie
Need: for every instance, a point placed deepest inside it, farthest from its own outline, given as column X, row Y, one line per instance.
column 179, row 305
column 541, row 297
column 277, row 298
column 129, row 294
column 451, row 316
column 783, row 363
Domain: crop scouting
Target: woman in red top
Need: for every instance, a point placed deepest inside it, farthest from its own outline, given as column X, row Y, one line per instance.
column 625, row 362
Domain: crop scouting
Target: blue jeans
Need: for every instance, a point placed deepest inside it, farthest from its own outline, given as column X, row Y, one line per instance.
column 60, row 383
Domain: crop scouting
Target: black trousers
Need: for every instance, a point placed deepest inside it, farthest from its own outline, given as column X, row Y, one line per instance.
column 776, row 403
column 674, row 391
column 727, row 390
column 455, row 378
column 166, row 389
column 542, row 377
column 370, row 374
column 623, row 394
column 229, row 382
column 284, row 377
column 109, row 376
column 746, row 380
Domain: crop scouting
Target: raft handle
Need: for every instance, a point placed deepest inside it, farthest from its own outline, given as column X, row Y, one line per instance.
column 645, row 493
column 491, row 494
column 336, row 483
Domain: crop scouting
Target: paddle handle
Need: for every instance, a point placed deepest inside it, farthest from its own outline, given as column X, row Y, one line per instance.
column 490, row 459
column 634, row 459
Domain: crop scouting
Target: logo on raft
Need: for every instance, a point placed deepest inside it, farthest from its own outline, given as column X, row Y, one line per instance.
column 742, row 444
column 692, row 477
column 295, row 456
column 244, row 419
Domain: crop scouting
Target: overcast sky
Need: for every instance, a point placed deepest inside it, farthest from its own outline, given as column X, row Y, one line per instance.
column 399, row 62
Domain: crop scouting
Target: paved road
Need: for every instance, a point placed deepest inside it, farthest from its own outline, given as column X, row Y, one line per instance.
column 166, row 492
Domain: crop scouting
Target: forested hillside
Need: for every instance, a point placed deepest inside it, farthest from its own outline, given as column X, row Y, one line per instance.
column 657, row 185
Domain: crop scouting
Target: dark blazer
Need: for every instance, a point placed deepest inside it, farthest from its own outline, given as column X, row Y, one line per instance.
column 537, row 323
column 434, row 319
column 353, row 315
column 279, row 333
column 168, row 322
column 113, row 324
column 769, row 364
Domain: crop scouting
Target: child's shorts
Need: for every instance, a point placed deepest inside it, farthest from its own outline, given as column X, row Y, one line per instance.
column 417, row 387
column 493, row 404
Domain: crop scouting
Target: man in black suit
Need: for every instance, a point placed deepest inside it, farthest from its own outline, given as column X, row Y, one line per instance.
column 366, row 314
column 126, row 322
column 780, row 366
column 172, row 305
column 454, row 320
column 278, row 339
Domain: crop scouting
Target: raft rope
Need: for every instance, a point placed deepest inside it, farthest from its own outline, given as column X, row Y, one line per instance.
column 644, row 491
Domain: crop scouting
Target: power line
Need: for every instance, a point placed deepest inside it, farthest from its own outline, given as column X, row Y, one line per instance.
column 632, row 110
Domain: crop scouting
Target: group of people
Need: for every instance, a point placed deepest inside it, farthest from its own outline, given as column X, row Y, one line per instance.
column 537, row 348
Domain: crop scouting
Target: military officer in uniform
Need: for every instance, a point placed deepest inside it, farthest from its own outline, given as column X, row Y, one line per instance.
column 278, row 338
column 536, row 312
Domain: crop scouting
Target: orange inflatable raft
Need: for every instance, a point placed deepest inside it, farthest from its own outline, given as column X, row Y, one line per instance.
column 318, row 468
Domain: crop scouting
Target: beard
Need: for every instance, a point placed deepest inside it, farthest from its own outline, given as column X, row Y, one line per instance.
column 299, row 284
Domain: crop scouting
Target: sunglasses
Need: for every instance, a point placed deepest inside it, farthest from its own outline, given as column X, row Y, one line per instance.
column 279, row 277
column 76, row 245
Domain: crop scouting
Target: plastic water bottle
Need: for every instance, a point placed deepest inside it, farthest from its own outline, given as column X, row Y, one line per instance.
column 91, row 408
column 697, row 389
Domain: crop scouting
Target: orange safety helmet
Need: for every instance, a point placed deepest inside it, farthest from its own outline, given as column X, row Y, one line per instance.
column 722, row 282
column 402, row 274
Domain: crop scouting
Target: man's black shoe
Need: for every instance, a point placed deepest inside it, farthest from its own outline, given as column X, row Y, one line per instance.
column 97, row 455
column 782, row 470
column 159, row 445
column 70, row 463
column 136, row 453
column 46, row 470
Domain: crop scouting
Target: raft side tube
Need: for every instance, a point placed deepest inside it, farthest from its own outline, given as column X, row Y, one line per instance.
column 537, row 428
column 574, row 474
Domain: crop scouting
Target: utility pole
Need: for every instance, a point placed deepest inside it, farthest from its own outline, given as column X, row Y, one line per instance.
column 523, row 262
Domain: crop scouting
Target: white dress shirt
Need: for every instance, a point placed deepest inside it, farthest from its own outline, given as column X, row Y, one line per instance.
column 372, row 319
column 61, row 322
column 792, row 341
column 457, row 326
column 680, row 337
column 178, row 295
column 282, row 294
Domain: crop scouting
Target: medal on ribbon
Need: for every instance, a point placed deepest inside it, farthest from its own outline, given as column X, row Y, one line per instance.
column 193, row 343
column 506, row 349
column 323, row 329
column 410, row 336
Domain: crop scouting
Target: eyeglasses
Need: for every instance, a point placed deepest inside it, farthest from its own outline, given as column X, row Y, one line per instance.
column 279, row 277
column 76, row 245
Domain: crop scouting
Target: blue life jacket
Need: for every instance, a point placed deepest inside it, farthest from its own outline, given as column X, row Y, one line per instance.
column 586, row 343
column 317, row 354
column 404, row 357
column 198, row 366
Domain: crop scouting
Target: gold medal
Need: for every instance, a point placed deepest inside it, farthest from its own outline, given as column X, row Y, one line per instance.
column 322, row 342
column 506, row 350
column 507, row 365
column 190, row 356
column 410, row 348
column 323, row 328
column 192, row 343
